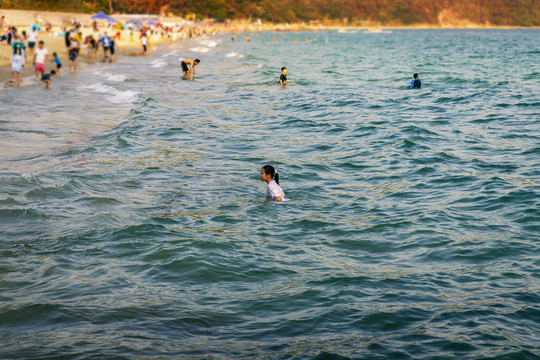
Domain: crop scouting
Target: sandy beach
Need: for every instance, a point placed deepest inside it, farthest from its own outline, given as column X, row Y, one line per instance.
column 54, row 42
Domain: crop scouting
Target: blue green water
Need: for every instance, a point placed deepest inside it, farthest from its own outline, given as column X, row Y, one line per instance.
column 133, row 224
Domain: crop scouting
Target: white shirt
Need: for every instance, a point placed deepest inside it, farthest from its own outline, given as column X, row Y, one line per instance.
column 32, row 36
column 273, row 190
column 40, row 55
column 143, row 40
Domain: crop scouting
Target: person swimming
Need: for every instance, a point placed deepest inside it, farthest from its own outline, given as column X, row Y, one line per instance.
column 283, row 77
column 416, row 83
column 271, row 177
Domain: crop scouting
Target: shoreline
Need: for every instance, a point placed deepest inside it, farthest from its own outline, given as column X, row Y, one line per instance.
column 23, row 19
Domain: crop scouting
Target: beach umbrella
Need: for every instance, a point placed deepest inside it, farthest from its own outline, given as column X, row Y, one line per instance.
column 151, row 22
column 159, row 25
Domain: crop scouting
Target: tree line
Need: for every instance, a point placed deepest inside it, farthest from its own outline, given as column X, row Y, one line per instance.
column 383, row 12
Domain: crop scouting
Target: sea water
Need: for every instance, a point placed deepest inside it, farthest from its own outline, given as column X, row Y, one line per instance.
column 133, row 224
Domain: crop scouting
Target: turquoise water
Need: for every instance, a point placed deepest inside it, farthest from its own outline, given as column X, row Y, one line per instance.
column 134, row 224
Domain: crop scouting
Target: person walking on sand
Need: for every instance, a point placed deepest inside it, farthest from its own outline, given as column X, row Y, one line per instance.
column 188, row 67
column 40, row 59
column 18, row 58
column 2, row 22
column 32, row 39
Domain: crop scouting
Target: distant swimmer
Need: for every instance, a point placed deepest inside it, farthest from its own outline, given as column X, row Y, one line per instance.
column 283, row 77
column 233, row 37
column 189, row 71
column 416, row 83
column 271, row 177
column 248, row 39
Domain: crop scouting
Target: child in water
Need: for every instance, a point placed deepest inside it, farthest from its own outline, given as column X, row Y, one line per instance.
column 271, row 177
column 416, row 83
column 283, row 77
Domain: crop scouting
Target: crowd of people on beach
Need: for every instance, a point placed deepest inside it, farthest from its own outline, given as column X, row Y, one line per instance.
column 30, row 46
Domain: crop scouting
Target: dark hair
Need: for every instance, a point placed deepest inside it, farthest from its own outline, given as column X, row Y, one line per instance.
column 53, row 72
column 17, row 50
column 283, row 68
column 54, row 54
column 415, row 75
column 269, row 170
column 197, row 61
column 42, row 42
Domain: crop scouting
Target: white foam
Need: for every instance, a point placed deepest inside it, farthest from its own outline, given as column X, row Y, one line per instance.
column 169, row 54
column 158, row 64
column 208, row 43
column 233, row 54
column 115, row 96
column 200, row 49
column 100, row 88
column 113, row 77
column 122, row 97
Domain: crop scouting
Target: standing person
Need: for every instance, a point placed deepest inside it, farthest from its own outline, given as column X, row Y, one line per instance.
column 93, row 44
column 2, row 22
column 67, row 37
column 78, row 38
column 113, row 50
column 118, row 35
column 105, row 44
column 189, row 71
column 17, row 61
column 18, row 43
column 75, row 45
column 144, row 42
column 72, row 60
column 270, row 176
column 11, row 35
column 58, row 63
column 40, row 59
column 283, row 77
column 32, row 39
column 416, row 83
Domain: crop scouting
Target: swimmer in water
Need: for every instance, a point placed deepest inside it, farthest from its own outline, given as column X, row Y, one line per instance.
column 416, row 83
column 283, row 77
column 271, row 177
column 189, row 71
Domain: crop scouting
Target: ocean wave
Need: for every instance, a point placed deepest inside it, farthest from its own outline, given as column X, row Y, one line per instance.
column 115, row 96
column 200, row 49
column 208, row 43
column 158, row 64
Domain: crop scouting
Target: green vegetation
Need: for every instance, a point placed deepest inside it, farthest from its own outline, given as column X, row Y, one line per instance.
column 384, row 12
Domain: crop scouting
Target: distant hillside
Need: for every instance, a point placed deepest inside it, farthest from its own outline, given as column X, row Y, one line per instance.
column 383, row 12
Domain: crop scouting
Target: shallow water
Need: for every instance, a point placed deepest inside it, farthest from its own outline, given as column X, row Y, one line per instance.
column 134, row 224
